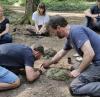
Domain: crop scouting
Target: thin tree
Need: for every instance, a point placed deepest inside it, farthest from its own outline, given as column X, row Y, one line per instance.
column 30, row 7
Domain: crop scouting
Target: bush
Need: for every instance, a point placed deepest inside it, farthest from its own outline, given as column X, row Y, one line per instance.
column 66, row 5
column 11, row 2
column 57, row 5
column 60, row 74
column 7, row 2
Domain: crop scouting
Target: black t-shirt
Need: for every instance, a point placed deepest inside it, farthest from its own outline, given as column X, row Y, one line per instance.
column 12, row 54
column 96, row 10
column 3, row 25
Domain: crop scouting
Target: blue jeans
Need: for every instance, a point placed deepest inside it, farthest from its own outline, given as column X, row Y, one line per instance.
column 6, row 38
column 7, row 76
column 88, row 82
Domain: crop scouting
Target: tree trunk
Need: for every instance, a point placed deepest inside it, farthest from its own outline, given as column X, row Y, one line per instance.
column 31, row 6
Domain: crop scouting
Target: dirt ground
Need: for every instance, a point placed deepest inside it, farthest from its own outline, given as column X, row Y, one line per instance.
column 43, row 87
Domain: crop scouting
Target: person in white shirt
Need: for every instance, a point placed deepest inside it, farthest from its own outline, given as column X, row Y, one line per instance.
column 40, row 19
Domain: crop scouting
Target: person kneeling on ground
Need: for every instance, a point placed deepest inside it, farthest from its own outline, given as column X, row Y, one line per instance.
column 16, row 57
column 93, row 17
column 5, row 37
column 87, row 44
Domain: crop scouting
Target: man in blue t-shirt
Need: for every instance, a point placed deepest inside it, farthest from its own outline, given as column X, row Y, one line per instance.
column 87, row 44
column 18, row 57
column 93, row 17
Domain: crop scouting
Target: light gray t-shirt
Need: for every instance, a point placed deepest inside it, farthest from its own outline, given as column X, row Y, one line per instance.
column 40, row 20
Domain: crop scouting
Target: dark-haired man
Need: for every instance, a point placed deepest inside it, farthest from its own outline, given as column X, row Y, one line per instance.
column 15, row 57
column 87, row 44
column 93, row 17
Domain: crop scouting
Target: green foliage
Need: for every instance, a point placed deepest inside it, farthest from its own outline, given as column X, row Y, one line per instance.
column 66, row 5
column 7, row 2
column 56, row 5
column 22, row 2
column 11, row 2
column 57, row 74
column 37, row 2
column 91, row 0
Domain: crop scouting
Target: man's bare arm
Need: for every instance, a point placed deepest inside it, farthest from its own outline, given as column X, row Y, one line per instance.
column 31, row 75
column 88, row 54
column 58, row 56
column 55, row 59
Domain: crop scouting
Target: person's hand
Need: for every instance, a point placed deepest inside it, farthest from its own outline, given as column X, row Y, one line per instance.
column 46, row 65
column 39, row 32
column 74, row 73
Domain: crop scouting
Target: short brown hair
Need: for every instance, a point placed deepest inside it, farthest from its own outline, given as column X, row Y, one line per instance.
column 38, row 47
column 57, row 20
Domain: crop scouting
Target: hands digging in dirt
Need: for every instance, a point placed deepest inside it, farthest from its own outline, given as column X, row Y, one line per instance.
column 46, row 65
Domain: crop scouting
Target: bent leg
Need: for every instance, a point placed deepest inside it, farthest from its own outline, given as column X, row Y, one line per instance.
column 8, row 80
column 15, row 69
column 31, row 30
column 79, row 88
column 6, row 38
column 45, row 34
column 87, row 83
